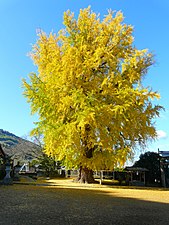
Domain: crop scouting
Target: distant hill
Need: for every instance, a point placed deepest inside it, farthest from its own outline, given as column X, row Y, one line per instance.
column 8, row 139
column 18, row 148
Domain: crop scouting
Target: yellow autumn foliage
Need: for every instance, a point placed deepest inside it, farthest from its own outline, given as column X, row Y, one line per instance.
column 93, row 109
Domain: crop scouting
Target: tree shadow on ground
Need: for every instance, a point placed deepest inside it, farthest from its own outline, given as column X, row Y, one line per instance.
column 37, row 205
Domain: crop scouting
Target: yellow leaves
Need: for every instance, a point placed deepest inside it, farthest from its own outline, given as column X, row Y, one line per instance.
column 87, row 20
column 110, row 19
column 88, row 90
column 105, row 82
column 153, row 95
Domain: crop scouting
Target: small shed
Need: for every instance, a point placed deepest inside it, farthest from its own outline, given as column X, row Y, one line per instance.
column 136, row 176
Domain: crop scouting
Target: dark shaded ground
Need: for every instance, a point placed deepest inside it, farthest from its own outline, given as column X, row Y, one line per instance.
column 38, row 205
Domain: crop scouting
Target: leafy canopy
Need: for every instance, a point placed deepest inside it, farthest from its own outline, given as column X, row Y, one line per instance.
column 93, row 109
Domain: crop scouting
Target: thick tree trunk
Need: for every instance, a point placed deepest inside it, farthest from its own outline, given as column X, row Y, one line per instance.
column 85, row 175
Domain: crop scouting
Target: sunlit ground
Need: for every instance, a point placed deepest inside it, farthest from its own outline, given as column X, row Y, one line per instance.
column 142, row 193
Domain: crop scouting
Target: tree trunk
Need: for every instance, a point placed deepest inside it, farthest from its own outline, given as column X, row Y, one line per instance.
column 85, row 175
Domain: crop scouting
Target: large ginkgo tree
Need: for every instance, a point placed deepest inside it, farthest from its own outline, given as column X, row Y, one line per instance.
column 93, row 108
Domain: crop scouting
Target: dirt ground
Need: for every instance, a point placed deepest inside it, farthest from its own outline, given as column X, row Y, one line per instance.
column 65, row 202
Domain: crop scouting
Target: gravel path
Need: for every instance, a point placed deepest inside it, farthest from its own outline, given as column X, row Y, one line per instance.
column 73, row 205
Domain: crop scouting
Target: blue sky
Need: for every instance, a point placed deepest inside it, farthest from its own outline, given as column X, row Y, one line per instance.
column 19, row 21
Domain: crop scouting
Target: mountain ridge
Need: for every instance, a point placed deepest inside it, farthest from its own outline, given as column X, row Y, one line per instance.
column 19, row 149
column 8, row 139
